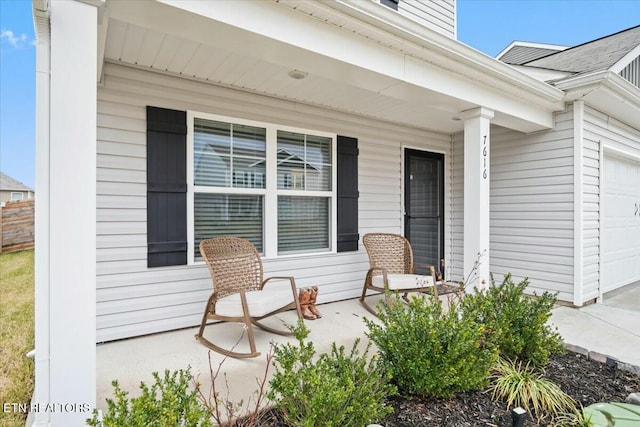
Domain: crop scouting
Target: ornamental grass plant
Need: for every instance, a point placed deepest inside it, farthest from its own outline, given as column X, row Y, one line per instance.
column 521, row 385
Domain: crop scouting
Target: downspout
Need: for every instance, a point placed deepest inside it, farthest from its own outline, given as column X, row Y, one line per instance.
column 578, row 213
column 41, row 18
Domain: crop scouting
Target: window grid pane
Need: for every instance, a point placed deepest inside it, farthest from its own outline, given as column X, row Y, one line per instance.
column 229, row 155
column 218, row 215
column 303, row 224
column 304, row 162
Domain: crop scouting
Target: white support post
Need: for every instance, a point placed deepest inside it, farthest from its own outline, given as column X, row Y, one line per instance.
column 477, row 124
column 578, row 208
column 65, row 390
column 42, row 223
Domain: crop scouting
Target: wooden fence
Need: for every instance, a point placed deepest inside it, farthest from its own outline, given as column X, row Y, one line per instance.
column 16, row 226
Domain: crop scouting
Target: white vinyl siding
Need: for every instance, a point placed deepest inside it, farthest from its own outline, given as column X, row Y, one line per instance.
column 457, row 208
column 133, row 299
column 632, row 72
column 439, row 15
column 601, row 132
column 531, row 217
column 591, row 211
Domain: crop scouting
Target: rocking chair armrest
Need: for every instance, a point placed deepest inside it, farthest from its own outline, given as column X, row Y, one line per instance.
column 291, row 280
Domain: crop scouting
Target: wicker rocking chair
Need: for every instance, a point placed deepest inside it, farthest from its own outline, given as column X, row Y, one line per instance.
column 392, row 269
column 239, row 291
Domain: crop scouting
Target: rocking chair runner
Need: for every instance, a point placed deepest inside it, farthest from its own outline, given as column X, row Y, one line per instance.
column 239, row 291
column 392, row 269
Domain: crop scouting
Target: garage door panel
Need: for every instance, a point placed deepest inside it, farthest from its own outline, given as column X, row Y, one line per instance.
column 620, row 222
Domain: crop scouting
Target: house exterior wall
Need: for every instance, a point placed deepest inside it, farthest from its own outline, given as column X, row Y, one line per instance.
column 531, row 223
column 439, row 15
column 133, row 299
column 5, row 195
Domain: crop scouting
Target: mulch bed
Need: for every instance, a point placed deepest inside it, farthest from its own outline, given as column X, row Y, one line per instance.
column 585, row 380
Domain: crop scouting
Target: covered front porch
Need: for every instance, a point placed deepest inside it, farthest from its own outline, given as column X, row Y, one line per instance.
column 335, row 68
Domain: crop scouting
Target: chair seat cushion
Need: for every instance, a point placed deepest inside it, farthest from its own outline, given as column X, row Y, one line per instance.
column 260, row 303
column 403, row 281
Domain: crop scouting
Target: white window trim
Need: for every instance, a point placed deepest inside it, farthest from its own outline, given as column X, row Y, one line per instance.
column 270, row 193
column 21, row 193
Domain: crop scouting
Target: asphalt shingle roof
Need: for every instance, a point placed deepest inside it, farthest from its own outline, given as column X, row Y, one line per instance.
column 519, row 55
column 9, row 184
column 596, row 55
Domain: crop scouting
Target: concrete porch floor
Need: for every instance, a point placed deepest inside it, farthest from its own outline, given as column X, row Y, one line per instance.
column 133, row 360
column 611, row 328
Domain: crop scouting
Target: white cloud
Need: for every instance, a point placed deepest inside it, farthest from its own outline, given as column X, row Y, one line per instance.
column 15, row 40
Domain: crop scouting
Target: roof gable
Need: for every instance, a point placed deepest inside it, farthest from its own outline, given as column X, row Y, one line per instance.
column 596, row 55
column 9, row 184
column 518, row 53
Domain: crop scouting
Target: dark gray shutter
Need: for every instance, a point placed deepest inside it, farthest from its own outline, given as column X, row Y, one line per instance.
column 166, row 187
column 347, row 194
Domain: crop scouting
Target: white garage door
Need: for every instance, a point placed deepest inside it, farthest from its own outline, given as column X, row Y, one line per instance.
column 620, row 223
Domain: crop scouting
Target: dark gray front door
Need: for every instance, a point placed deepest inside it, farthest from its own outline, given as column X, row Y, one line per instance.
column 424, row 207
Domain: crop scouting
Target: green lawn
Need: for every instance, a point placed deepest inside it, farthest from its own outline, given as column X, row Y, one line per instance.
column 16, row 333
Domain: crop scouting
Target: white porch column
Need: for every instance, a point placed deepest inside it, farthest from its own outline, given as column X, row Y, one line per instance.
column 66, row 217
column 476, row 195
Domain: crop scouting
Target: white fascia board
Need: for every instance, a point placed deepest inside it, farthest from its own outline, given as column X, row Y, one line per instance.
column 542, row 74
column 607, row 92
column 625, row 60
column 391, row 30
column 533, row 45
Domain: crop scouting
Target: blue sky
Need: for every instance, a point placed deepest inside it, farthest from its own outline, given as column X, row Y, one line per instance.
column 487, row 25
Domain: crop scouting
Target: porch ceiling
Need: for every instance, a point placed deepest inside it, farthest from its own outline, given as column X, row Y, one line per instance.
column 194, row 47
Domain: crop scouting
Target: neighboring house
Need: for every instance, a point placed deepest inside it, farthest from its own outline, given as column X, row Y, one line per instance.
column 11, row 190
column 302, row 126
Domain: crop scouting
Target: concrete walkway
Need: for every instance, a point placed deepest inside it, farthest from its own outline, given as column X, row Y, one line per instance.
column 608, row 329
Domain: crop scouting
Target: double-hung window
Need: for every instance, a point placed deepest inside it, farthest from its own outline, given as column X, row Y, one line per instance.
column 270, row 184
column 305, row 192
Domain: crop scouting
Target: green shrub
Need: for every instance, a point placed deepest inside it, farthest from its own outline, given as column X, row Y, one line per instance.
column 521, row 386
column 516, row 323
column 167, row 403
column 337, row 390
column 430, row 352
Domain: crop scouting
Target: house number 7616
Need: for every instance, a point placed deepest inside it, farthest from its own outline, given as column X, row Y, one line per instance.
column 484, row 157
